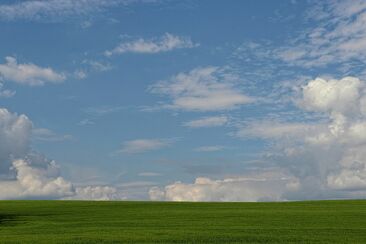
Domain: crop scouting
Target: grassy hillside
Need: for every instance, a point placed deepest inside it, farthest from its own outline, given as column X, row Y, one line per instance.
column 152, row 222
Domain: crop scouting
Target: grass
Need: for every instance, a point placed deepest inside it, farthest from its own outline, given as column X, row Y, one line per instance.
column 158, row 222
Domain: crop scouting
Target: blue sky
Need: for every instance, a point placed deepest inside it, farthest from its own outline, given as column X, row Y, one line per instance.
column 182, row 100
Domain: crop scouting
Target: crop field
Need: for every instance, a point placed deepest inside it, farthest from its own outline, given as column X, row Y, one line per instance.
column 168, row 222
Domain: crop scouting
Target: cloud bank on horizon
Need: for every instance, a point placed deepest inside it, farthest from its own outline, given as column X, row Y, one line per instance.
column 271, row 110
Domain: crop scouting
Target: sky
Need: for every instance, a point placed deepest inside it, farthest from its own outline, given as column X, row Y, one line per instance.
column 184, row 100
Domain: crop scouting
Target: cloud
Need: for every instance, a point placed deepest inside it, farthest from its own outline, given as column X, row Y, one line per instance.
column 332, row 152
column 43, row 134
column 86, row 122
column 167, row 42
column 6, row 93
column 277, row 130
column 51, row 10
column 25, row 174
column 97, row 66
column 321, row 157
column 209, row 148
column 99, row 193
column 202, row 89
column 213, row 121
column 346, row 96
column 39, row 181
column 338, row 38
column 265, row 187
column 80, row 74
column 28, row 74
column 90, row 66
column 103, row 110
column 15, row 132
column 144, row 145
column 149, row 174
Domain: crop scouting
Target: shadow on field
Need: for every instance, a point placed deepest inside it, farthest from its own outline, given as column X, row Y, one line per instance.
column 6, row 219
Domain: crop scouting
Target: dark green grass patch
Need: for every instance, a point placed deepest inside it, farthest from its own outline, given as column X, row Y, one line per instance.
column 158, row 222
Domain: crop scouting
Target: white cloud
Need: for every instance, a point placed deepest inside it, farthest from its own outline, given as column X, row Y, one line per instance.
column 28, row 74
column 103, row 110
column 80, row 74
column 339, row 36
column 149, row 174
column 86, row 122
column 43, row 134
column 343, row 96
column 202, row 89
column 265, row 187
column 45, row 183
column 40, row 182
column 209, row 148
column 277, row 130
column 335, row 150
column 25, row 174
column 6, row 93
column 89, row 67
column 167, row 42
column 15, row 132
column 54, row 9
column 144, row 145
column 99, row 193
column 97, row 66
column 213, row 121
column 319, row 159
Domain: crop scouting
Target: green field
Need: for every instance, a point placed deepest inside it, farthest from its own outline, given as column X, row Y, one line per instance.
column 158, row 222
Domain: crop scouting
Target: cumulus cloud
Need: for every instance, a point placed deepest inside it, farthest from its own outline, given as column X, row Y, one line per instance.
column 334, row 149
column 265, row 187
column 319, row 158
column 28, row 74
column 345, row 96
column 202, row 89
column 25, row 174
column 99, row 193
column 144, row 145
column 167, row 42
column 207, row 122
column 15, row 132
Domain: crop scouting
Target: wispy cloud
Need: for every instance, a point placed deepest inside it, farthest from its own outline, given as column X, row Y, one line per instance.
column 338, row 37
column 90, row 66
column 86, row 122
column 213, row 121
column 202, row 89
column 144, row 145
column 148, row 174
column 209, row 148
column 97, row 66
column 28, row 73
column 6, row 93
column 55, row 9
column 43, row 134
column 102, row 110
column 165, row 43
